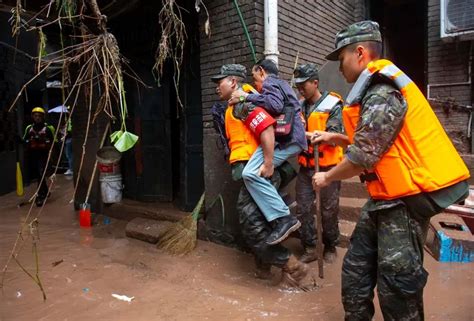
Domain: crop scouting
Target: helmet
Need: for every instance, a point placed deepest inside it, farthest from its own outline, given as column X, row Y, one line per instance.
column 38, row 110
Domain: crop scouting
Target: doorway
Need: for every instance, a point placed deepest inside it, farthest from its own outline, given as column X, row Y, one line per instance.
column 166, row 165
column 405, row 39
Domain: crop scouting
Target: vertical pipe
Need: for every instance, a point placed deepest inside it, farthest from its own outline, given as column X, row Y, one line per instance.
column 246, row 32
column 271, row 30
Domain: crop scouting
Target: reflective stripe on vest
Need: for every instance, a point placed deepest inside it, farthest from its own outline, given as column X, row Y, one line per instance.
column 328, row 155
column 38, row 140
column 422, row 158
column 242, row 143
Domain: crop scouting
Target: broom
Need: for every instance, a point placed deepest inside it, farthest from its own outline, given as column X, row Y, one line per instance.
column 181, row 237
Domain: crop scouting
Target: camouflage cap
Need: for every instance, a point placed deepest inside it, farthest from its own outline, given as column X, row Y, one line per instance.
column 306, row 72
column 357, row 32
column 230, row 70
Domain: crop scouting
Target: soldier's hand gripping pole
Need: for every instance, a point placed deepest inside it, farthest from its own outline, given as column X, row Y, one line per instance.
column 319, row 217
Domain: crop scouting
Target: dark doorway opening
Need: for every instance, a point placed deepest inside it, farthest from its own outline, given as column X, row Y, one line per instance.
column 164, row 165
column 404, row 30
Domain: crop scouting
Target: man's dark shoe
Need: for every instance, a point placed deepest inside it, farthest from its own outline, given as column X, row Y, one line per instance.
column 282, row 229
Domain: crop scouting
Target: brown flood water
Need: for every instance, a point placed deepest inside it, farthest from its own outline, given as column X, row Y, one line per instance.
column 212, row 283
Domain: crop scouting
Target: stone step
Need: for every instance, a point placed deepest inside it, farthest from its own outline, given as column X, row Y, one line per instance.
column 130, row 209
column 352, row 187
column 148, row 230
column 349, row 208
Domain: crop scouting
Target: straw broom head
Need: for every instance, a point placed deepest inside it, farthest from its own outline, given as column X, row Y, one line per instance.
column 180, row 237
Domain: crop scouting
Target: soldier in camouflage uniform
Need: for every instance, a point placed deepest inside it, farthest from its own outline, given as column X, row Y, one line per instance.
column 254, row 227
column 386, row 248
column 307, row 82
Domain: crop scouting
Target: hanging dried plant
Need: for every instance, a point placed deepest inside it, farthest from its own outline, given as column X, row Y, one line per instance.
column 15, row 20
column 173, row 39
column 66, row 8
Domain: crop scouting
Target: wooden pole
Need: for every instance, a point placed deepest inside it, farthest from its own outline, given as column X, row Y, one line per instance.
column 319, row 218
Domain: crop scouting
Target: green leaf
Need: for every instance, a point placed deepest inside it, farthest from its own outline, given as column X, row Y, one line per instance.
column 115, row 136
column 126, row 141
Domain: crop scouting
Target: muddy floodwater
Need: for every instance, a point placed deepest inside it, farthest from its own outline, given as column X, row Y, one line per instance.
column 81, row 268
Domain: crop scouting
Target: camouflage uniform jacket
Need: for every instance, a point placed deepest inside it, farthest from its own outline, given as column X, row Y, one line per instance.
column 382, row 112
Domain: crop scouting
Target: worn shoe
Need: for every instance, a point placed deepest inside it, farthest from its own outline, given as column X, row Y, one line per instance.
column 310, row 254
column 330, row 254
column 263, row 273
column 282, row 229
column 68, row 172
column 39, row 202
column 294, row 272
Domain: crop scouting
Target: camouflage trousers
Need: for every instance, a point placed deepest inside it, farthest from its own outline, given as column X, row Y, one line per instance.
column 305, row 210
column 255, row 229
column 386, row 250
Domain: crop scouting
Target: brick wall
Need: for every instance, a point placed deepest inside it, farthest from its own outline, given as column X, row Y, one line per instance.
column 305, row 26
column 449, row 63
column 310, row 28
column 227, row 44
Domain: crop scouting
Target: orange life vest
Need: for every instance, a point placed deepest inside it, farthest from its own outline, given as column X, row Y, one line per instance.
column 422, row 158
column 242, row 143
column 328, row 155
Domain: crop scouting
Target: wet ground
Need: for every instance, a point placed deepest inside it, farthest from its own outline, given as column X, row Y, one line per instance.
column 212, row 283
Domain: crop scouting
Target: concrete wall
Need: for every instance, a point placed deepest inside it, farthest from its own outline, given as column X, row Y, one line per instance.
column 305, row 26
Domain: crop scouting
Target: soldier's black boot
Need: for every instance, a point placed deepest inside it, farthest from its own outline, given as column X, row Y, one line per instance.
column 310, row 254
column 330, row 254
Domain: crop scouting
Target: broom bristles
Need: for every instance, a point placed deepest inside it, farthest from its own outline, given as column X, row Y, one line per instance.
column 180, row 237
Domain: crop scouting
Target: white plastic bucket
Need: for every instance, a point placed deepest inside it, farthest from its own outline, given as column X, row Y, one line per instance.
column 108, row 161
column 111, row 188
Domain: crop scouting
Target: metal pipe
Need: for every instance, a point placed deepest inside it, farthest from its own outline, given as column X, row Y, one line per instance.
column 270, row 13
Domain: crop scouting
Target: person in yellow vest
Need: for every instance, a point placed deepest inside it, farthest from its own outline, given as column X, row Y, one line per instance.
column 322, row 111
column 411, row 169
column 38, row 136
column 242, row 144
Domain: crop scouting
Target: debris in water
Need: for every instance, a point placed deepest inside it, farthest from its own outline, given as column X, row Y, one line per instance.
column 18, row 294
column 56, row 263
column 85, row 290
column 123, row 297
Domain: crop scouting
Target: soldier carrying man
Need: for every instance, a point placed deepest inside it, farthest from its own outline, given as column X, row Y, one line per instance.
column 242, row 145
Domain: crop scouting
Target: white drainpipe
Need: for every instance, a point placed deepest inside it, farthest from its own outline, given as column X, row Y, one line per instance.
column 270, row 13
